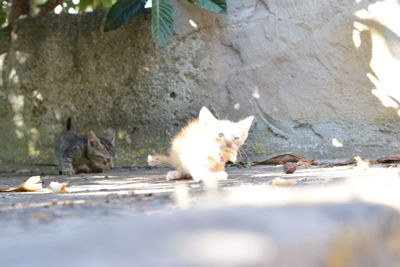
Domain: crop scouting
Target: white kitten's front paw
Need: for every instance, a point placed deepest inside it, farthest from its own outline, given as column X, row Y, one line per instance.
column 175, row 175
column 210, row 182
column 220, row 176
column 197, row 179
column 212, row 177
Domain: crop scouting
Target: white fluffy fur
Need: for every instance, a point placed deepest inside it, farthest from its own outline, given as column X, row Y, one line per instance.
column 200, row 149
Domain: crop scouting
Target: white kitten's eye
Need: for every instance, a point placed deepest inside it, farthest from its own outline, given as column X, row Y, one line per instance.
column 236, row 138
column 221, row 135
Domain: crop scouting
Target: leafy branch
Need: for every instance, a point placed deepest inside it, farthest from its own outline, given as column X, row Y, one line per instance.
column 163, row 14
column 119, row 13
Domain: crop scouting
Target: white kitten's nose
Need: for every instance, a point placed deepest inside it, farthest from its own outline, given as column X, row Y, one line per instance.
column 228, row 144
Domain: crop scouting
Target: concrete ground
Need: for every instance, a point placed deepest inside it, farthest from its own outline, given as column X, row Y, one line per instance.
column 336, row 216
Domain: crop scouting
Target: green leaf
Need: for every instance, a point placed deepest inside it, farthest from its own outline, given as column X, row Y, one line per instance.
column 162, row 21
column 84, row 4
column 217, row 6
column 39, row 2
column 105, row 4
column 3, row 35
column 3, row 20
column 122, row 12
column 248, row 164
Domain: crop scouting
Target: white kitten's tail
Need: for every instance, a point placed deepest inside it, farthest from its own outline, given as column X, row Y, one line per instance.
column 160, row 161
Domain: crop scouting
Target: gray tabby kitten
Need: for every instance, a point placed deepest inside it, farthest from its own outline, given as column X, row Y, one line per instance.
column 78, row 153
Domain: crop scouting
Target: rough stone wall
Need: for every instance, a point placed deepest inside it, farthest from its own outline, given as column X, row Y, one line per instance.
column 319, row 76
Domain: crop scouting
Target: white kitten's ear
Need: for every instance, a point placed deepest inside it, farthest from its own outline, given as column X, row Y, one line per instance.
column 206, row 116
column 245, row 125
column 110, row 135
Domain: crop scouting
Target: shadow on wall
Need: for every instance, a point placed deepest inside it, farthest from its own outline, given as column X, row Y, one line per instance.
column 62, row 66
column 30, row 121
column 384, row 60
column 374, row 39
column 33, row 106
column 380, row 45
column 28, row 135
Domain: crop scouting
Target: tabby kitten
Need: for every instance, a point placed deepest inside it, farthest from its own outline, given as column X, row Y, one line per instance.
column 77, row 153
column 201, row 149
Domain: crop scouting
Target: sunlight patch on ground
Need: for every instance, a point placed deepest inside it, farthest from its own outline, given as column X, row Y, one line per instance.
column 374, row 185
column 224, row 247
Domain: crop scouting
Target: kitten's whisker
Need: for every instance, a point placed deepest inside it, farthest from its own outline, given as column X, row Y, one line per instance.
column 240, row 153
column 243, row 155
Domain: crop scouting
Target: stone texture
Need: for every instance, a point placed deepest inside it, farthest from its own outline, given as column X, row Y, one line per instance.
column 318, row 75
column 334, row 217
column 351, row 235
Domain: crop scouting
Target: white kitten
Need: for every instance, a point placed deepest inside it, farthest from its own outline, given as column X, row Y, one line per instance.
column 201, row 149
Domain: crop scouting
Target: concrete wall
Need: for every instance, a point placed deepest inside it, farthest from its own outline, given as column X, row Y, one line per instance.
column 320, row 76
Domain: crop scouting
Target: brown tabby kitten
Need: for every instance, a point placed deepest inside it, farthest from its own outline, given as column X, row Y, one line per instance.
column 78, row 153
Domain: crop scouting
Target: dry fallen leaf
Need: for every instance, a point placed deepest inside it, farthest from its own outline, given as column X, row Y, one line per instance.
column 361, row 164
column 279, row 160
column 57, row 187
column 285, row 158
column 389, row 159
column 289, row 167
column 282, row 182
column 33, row 183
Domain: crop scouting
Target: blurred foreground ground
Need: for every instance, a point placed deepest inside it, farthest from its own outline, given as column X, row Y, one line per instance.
column 342, row 216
